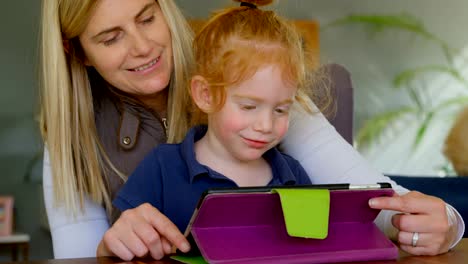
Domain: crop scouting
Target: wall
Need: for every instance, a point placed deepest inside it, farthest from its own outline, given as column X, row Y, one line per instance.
column 19, row 138
column 372, row 62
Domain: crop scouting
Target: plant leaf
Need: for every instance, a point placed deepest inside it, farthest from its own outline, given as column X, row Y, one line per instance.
column 452, row 101
column 405, row 77
column 374, row 126
column 422, row 129
column 414, row 95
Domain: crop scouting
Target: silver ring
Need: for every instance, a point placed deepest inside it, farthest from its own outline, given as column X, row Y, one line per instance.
column 415, row 239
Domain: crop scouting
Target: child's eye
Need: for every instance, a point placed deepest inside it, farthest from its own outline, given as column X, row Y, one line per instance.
column 282, row 110
column 248, row 107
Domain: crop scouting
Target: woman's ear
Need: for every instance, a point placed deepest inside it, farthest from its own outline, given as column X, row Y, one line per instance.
column 86, row 61
column 70, row 51
column 201, row 95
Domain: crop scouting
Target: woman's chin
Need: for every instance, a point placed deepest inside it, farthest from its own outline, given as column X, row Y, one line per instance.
column 153, row 87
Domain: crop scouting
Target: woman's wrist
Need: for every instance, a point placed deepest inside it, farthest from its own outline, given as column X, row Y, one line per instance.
column 456, row 225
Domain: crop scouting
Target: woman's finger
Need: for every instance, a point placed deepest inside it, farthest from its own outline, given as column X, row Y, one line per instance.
column 414, row 239
column 166, row 245
column 417, row 251
column 151, row 239
column 121, row 250
column 430, row 249
column 113, row 244
column 167, row 229
column 412, row 202
column 425, row 223
column 422, row 243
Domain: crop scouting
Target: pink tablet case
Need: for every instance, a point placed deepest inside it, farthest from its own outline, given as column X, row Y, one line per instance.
column 250, row 228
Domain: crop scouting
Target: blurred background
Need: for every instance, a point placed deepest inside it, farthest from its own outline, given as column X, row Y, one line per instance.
column 407, row 59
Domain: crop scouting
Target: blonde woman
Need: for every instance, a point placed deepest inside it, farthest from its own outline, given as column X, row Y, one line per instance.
column 114, row 79
column 105, row 104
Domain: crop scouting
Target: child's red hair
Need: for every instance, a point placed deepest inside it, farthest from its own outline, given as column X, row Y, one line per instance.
column 236, row 42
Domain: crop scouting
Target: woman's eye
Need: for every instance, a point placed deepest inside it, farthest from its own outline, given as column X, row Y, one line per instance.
column 110, row 41
column 148, row 20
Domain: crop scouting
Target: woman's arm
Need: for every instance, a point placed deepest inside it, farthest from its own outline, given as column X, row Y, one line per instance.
column 325, row 155
column 72, row 236
column 328, row 158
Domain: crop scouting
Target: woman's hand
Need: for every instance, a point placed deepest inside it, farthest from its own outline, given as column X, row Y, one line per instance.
column 423, row 214
column 140, row 231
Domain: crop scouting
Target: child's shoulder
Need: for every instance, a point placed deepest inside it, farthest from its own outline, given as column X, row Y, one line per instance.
column 166, row 151
column 289, row 159
column 296, row 168
column 167, row 147
column 292, row 162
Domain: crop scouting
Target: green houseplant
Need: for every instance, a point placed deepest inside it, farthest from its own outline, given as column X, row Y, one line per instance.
column 410, row 80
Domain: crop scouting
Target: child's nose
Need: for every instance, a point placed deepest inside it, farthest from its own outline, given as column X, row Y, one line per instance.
column 264, row 122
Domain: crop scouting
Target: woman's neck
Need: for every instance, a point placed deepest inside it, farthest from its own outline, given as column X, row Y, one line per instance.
column 156, row 102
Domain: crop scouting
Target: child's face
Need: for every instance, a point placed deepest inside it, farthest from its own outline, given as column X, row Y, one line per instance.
column 255, row 115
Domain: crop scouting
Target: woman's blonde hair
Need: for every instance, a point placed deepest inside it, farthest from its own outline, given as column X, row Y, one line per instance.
column 78, row 161
column 236, row 42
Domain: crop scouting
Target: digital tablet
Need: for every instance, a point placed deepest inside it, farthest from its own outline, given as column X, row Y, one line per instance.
column 268, row 189
column 223, row 215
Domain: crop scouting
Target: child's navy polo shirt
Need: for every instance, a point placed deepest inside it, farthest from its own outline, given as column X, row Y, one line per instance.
column 172, row 180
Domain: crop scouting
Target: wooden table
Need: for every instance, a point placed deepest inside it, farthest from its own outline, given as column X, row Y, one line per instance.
column 16, row 242
column 458, row 255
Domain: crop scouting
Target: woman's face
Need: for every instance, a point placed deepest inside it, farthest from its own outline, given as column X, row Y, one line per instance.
column 129, row 43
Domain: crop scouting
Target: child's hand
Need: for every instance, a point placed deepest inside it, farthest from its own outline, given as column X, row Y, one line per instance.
column 140, row 231
column 423, row 214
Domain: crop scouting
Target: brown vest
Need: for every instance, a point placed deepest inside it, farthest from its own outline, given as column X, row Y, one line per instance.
column 127, row 132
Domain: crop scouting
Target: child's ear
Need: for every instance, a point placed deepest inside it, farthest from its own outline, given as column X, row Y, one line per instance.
column 201, row 93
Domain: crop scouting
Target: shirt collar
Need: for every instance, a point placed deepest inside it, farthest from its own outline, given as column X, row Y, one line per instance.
column 281, row 170
column 187, row 148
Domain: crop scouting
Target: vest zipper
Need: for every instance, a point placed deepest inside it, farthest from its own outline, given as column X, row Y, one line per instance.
column 164, row 121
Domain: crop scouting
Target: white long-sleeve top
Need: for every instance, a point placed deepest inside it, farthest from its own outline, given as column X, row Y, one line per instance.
column 311, row 139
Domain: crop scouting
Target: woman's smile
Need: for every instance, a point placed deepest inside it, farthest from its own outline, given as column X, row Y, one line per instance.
column 147, row 65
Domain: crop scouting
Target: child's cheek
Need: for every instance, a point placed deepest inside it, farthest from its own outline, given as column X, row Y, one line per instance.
column 231, row 125
column 234, row 124
column 282, row 129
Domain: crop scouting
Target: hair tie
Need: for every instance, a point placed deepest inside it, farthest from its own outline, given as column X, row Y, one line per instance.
column 247, row 4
